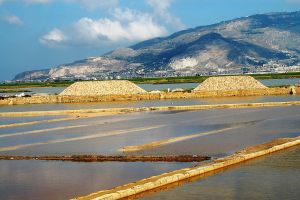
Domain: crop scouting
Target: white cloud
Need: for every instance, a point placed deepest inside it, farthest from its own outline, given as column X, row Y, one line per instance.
column 12, row 19
column 53, row 38
column 161, row 10
column 122, row 26
column 135, row 26
column 160, row 5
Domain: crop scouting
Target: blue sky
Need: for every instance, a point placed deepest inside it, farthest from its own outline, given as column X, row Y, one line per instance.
column 38, row 34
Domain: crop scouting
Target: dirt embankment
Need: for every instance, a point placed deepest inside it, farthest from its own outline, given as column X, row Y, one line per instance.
column 145, row 96
column 154, row 182
column 102, row 158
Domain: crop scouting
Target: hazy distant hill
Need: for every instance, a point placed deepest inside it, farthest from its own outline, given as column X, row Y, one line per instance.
column 247, row 42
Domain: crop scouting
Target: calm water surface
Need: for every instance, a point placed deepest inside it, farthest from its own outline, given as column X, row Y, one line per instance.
column 39, row 180
column 273, row 177
column 109, row 134
column 148, row 103
column 21, row 119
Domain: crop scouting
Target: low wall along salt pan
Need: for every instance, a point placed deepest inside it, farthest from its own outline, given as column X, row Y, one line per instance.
column 182, row 174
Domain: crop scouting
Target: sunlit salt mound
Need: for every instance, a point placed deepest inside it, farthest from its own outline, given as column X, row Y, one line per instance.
column 227, row 83
column 91, row 88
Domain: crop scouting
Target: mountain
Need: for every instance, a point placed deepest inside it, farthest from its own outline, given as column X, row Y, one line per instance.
column 249, row 43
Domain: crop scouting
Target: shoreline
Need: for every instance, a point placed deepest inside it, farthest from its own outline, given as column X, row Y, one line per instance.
column 104, row 158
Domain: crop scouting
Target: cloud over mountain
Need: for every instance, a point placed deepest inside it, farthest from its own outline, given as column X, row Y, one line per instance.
column 121, row 26
column 124, row 25
column 249, row 43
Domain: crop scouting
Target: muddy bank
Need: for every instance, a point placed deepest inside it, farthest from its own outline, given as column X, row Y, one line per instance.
column 182, row 174
column 147, row 96
column 102, row 158
column 112, row 111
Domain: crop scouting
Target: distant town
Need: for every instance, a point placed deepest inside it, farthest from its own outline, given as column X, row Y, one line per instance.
column 270, row 68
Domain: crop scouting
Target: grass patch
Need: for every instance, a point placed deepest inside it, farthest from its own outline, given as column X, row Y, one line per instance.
column 35, row 84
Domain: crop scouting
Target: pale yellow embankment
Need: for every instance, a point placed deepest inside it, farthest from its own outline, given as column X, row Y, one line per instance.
column 182, row 174
column 111, row 111
column 146, row 96
column 173, row 140
column 37, row 122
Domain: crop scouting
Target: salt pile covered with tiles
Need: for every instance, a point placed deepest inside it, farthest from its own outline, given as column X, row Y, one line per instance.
column 227, row 83
column 113, row 87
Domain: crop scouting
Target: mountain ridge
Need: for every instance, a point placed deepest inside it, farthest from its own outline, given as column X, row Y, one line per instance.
column 232, row 46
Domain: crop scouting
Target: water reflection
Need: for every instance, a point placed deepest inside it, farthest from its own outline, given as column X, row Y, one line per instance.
column 271, row 177
column 146, row 127
column 64, row 180
column 148, row 103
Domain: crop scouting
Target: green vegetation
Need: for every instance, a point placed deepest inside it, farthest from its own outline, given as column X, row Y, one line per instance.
column 163, row 80
column 199, row 79
column 35, row 84
column 276, row 76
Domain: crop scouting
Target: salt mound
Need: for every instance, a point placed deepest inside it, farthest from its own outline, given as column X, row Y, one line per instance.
column 91, row 88
column 229, row 83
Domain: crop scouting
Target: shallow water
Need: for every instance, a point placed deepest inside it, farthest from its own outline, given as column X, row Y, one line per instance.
column 148, row 103
column 65, row 180
column 278, row 82
column 47, row 90
column 274, row 177
column 109, row 134
column 21, row 119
